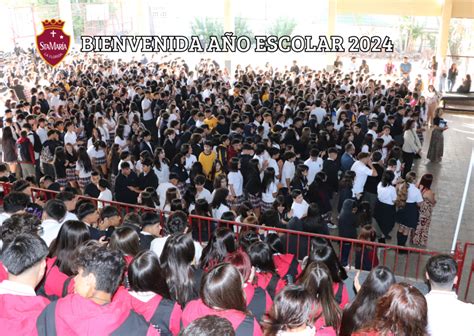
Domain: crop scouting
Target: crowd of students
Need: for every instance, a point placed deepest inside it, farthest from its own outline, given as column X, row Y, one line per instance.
column 301, row 149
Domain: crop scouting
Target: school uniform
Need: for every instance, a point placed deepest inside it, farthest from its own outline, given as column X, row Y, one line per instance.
column 272, row 283
column 75, row 315
column 50, row 230
column 408, row 216
column 244, row 325
column 331, row 168
column 163, row 314
column 384, row 212
column 286, row 265
column 237, row 181
column 258, row 301
column 55, row 283
column 19, row 307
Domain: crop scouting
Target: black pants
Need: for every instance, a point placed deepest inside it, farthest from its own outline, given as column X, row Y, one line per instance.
column 408, row 161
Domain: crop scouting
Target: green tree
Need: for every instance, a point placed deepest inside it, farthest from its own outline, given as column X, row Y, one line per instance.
column 206, row 27
column 282, row 26
column 242, row 28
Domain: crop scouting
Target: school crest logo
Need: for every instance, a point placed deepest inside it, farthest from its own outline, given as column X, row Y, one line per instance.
column 53, row 44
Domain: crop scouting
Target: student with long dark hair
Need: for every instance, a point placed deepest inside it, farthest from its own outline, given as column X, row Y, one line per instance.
column 58, row 280
column 316, row 279
column 222, row 294
column 258, row 300
column 127, row 241
column 149, row 294
column 222, row 242
column 236, row 183
column 266, row 274
column 361, row 310
column 384, row 212
column 253, row 185
column 286, row 263
column 322, row 250
column 269, row 189
column 83, row 167
column 402, row 311
column 292, row 313
column 176, row 260
column 219, row 203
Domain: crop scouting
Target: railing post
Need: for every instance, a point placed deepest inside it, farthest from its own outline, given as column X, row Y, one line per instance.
column 460, row 257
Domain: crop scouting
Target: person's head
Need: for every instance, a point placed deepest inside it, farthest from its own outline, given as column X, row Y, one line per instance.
column 297, row 196
column 426, row 181
column 221, row 288
column 177, row 223
column 125, row 240
column 261, row 256
column 99, row 270
column 321, row 250
column 15, row 201
column 25, row 259
column 17, row 224
column 316, row 279
column 109, row 217
column 87, row 213
column 293, row 308
column 69, row 199
column 401, row 311
column 209, row 325
column 221, row 243
column 151, row 223
column 54, row 209
column 332, row 153
column 363, row 157
column 360, row 311
column 220, row 197
column 125, row 168
column 241, row 261
column 441, row 272
column 71, row 235
column 146, row 275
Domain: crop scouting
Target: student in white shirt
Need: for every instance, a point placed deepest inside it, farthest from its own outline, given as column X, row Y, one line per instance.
column 318, row 111
column 269, row 189
column 384, row 211
column 288, row 170
column 299, row 206
column 53, row 213
column 70, row 200
column 274, row 154
column 163, row 188
column 314, row 163
column 235, row 183
column 219, row 202
column 362, row 172
column 201, row 192
column 105, row 193
column 408, row 201
column 446, row 314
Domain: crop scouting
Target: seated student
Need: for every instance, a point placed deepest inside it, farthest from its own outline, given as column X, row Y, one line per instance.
column 265, row 271
column 54, row 212
column 149, row 294
column 209, row 325
column 258, row 300
column 88, row 214
column 317, row 281
column 91, row 311
column 127, row 241
column 446, row 314
column 133, row 221
column 222, row 242
column 19, row 306
column 176, row 223
column 151, row 228
column 70, row 200
column 58, row 280
column 5, row 177
column 292, row 314
column 109, row 219
column 47, row 182
column 91, row 188
column 13, row 203
column 222, row 295
column 286, row 263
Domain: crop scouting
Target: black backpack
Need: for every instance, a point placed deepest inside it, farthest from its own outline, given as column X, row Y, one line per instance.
column 37, row 145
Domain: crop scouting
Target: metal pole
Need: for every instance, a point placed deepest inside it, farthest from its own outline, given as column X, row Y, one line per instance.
column 463, row 202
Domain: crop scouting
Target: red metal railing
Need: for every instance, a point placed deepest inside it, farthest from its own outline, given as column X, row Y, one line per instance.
column 403, row 261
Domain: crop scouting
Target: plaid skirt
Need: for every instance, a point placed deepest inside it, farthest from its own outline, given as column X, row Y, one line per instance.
column 62, row 182
column 255, row 200
column 100, row 161
column 237, row 201
column 181, row 188
column 71, row 174
column 264, row 206
column 83, row 181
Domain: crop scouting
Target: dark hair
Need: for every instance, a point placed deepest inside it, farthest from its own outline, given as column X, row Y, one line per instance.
column 176, row 261
column 23, row 252
column 442, row 270
column 247, row 238
column 55, row 209
column 221, row 288
column 293, row 307
column 261, row 257
column 221, row 243
column 387, row 178
column 85, row 209
column 268, row 178
column 84, row 160
column 150, row 218
column 316, row 278
column 125, row 240
column 360, row 312
column 65, row 196
column 71, row 235
column 402, row 311
column 177, row 223
column 15, row 201
column 327, row 255
column 109, row 211
column 426, row 181
column 105, row 264
column 241, row 260
column 145, row 275
column 209, row 325
column 22, row 223
column 220, row 196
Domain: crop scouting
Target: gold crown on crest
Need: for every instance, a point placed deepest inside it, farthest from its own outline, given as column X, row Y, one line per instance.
column 53, row 24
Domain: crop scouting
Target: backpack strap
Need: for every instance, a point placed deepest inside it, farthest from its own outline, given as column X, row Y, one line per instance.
column 46, row 322
column 134, row 325
column 271, row 288
column 41, row 287
column 66, row 286
column 162, row 316
column 245, row 328
column 293, row 269
column 338, row 296
column 258, row 303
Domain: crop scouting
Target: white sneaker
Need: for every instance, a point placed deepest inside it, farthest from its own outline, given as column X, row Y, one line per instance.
column 332, row 226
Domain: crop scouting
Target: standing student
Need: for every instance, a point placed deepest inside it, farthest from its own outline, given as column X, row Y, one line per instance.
column 222, row 294
column 24, row 258
column 420, row 235
column 436, row 148
column 411, row 146
column 91, row 311
column 384, row 212
column 363, row 168
column 236, row 183
column 269, row 189
column 151, row 228
column 331, row 168
column 83, row 168
column 347, row 228
column 409, row 199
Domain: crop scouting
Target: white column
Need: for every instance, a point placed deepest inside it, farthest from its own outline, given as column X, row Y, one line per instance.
column 228, row 27
column 65, row 14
